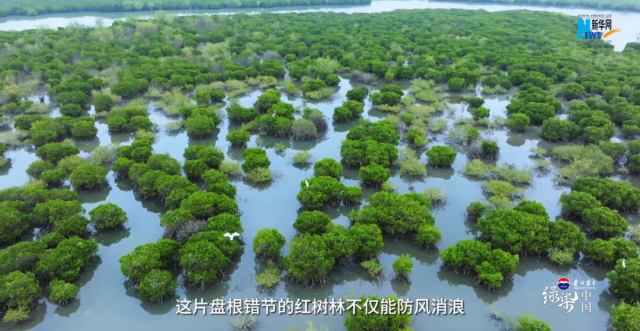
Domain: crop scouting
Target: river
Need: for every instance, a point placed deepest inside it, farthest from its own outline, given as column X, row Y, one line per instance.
column 627, row 21
column 106, row 302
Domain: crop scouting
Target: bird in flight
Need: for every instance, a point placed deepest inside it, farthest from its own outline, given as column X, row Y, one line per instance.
column 306, row 182
column 232, row 235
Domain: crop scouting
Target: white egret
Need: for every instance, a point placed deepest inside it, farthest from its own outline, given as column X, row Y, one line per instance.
column 231, row 235
column 274, row 115
column 306, row 182
column 623, row 265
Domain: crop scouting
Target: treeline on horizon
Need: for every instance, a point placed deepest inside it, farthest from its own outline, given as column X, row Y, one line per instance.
column 633, row 5
column 39, row 7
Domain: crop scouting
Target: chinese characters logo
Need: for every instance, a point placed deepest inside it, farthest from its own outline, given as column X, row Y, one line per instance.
column 596, row 27
column 567, row 300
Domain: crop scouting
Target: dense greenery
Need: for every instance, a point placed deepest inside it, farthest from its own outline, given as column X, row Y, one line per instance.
column 37, row 7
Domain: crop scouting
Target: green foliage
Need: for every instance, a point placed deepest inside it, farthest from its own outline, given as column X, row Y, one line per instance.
column 157, row 285
column 322, row 191
column 308, row 260
column 302, row 157
column 489, row 148
column 216, row 182
column 531, row 324
column 199, row 127
column 88, row 177
column 515, row 231
column 441, row 156
column 566, row 236
column 479, row 113
column 21, row 256
column 609, row 251
column 36, row 168
column 622, row 280
column 625, row 317
column 357, row 153
column 493, row 266
column 66, row 260
column 374, row 269
column 500, row 188
column 62, row 292
column 327, row 167
column 260, row 175
column 21, row 290
column 71, row 110
column 614, row 150
column 268, row 243
column 475, row 210
column 402, row 266
column 304, row 129
column 202, row 261
column 475, row 102
column 255, row 158
column 397, row 215
column 84, row 130
column 349, row 110
column 231, row 168
column 428, row 236
column 518, row 122
column 366, row 240
column 351, row 195
column 620, row 196
column 139, row 151
column 204, row 205
column 54, row 152
column 108, row 216
column 357, row 94
column 555, row 129
column 270, row 277
column 137, row 264
column 103, row 102
column 374, row 175
column 380, row 131
column 456, row 84
column 312, row 222
column 336, row 238
column 435, row 195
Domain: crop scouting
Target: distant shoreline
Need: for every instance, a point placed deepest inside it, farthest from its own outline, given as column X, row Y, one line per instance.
column 614, row 6
column 106, row 7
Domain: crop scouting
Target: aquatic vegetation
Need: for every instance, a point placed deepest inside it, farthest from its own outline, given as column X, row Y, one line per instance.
column 259, row 175
column 438, row 126
column 270, row 277
column 389, row 186
column 412, row 167
column 477, row 168
column 502, row 188
column 402, row 267
column 374, row 269
column 280, row 147
column 302, row 157
column 435, row 195
column 102, row 154
column 175, row 126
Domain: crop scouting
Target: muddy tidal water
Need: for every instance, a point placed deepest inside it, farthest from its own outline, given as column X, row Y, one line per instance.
column 107, row 302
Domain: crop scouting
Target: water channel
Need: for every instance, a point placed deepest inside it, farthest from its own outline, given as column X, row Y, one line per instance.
column 106, row 302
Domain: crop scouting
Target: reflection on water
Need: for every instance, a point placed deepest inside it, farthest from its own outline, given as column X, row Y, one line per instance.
column 105, row 293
